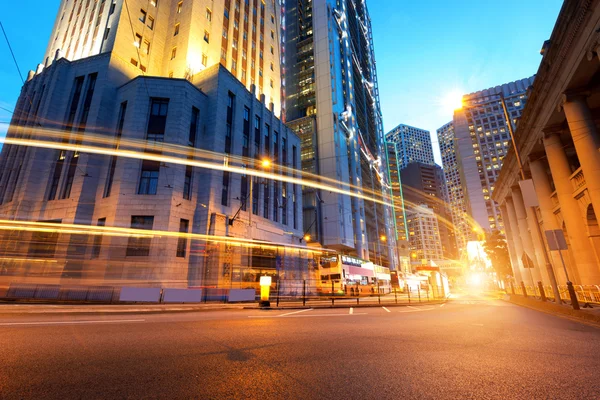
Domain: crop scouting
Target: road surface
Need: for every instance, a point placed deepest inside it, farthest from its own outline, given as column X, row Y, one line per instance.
column 470, row 348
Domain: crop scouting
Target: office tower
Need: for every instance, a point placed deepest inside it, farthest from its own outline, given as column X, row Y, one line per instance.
column 483, row 141
column 423, row 228
column 399, row 210
column 412, row 144
column 124, row 151
column 454, row 189
column 176, row 38
column 423, row 186
column 332, row 103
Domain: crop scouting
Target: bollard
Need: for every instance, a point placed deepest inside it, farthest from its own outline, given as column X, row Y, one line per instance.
column 523, row 288
column 304, row 292
column 396, row 295
column 573, row 295
column 428, row 294
column 542, row 293
column 419, row 289
column 512, row 287
column 378, row 292
column 277, row 287
column 408, row 291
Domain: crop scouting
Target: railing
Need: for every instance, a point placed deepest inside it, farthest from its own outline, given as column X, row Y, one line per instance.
column 577, row 179
column 585, row 293
column 554, row 198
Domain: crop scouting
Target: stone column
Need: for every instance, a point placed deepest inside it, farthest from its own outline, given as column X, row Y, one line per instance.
column 512, row 218
column 512, row 252
column 538, row 245
column 525, row 236
column 584, row 257
column 544, row 194
column 586, row 141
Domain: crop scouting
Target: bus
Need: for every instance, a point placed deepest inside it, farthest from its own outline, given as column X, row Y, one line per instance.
column 340, row 274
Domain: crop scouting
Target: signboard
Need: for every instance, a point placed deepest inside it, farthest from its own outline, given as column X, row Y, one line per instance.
column 527, row 263
column 556, row 239
column 528, row 190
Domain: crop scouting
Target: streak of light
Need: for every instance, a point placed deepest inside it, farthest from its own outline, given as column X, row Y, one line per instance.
column 50, row 227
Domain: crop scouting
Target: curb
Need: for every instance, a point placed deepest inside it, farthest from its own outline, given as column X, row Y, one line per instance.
column 323, row 307
column 581, row 316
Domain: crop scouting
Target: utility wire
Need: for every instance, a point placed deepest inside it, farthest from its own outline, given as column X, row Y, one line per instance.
column 12, row 53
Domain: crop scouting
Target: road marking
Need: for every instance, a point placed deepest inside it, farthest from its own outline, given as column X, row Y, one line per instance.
column 414, row 308
column 386, row 309
column 443, row 305
column 70, row 322
column 351, row 310
column 477, row 324
column 307, row 315
column 294, row 312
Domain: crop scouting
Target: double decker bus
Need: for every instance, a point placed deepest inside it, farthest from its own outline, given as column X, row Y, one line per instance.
column 341, row 274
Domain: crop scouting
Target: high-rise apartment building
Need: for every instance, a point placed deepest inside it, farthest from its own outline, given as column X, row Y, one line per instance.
column 456, row 202
column 332, row 103
column 176, row 38
column 423, row 186
column 412, row 144
column 127, row 151
column 423, row 229
column 483, row 140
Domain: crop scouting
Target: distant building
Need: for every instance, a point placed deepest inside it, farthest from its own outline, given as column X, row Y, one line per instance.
column 456, row 202
column 399, row 221
column 412, row 145
column 423, row 229
column 483, row 141
column 423, row 185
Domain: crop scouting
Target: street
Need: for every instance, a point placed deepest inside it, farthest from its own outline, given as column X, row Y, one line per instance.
column 471, row 347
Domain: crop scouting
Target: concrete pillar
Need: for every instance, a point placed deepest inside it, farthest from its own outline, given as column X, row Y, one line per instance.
column 584, row 257
column 512, row 217
column 549, row 222
column 533, row 273
column 512, row 252
column 538, row 245
column 586, row 141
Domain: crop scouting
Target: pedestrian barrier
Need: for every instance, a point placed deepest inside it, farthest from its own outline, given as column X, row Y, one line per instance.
column 585, row 293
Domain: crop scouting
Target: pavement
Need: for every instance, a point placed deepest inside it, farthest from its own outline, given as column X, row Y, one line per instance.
column 472, row 347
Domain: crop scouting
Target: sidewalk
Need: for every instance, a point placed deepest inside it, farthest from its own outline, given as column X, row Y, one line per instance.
column 590, row 316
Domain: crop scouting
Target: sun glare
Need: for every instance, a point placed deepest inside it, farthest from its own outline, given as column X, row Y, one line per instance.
column 452, row 101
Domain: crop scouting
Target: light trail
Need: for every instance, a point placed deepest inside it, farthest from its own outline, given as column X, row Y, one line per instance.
column 49, row 227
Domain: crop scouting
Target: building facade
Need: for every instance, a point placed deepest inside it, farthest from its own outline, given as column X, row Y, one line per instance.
column 424, row 234
column 483, row 140
column 158, row 167
column 332, row 103
column 456, row 202
column 423, row 186
column 412, row 144
column 399, row 208
column 177, row 38
column 558, row 139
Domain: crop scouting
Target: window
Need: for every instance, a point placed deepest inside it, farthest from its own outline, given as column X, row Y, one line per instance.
column 223, row 54
column 158, row 119
column 267, row 139
column 149, row 177
column 154, row 3
column 43, row 244
column 138, row 40
column 56, row 176
column 246, row 132
column 173, row 53
column 150, row 23
column 66, row 193
column 224, row 33
column 146, row 47
column 176, row 32
column 204, row 59
column 243, row 74
column 113, row 160
column 272, row 34
column 143, row 15
column 226, row 13
column 179, row 6
column 187, row 183
column 206, row 37
column 266, row 201
column 208, row 15
column 140, row 246
column 182, row 240
column 98, row 239
column 193, row 127
column 78, row 86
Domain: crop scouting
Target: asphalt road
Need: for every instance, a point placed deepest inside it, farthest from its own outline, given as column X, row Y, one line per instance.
column 469, row 348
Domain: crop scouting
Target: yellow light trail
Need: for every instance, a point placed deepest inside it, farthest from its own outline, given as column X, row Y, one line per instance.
column 221, row 166
column 49, row 227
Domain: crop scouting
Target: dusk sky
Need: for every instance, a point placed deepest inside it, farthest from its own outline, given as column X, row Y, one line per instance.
column 424, row 50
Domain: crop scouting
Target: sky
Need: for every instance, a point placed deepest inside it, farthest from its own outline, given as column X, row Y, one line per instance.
column 424, row 51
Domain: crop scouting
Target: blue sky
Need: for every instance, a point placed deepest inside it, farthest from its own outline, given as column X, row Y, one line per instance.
column 424, row 50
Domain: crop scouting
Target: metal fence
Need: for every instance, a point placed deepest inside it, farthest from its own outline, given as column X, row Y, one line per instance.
column 585, row 293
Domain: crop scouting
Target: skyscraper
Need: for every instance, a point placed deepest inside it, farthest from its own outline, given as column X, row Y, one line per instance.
column 483, row 140
column 412, row 144
column 332, row 103
column 455, row 194
column 176, row 38
column 126, row 151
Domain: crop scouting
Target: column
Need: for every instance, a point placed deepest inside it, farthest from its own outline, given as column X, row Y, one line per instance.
column 514, row 256
column 544, row 194
column 538, row 245
column 585, row 259
column 586, row 141
column 533, row 273
column 512, row 217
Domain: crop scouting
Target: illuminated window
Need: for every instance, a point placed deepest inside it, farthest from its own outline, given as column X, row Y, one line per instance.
column 146, row 47
column 176, row 32
column 179, row 6
column 206, row 37
column 173, row 53
column 138, row 40
column 143, row 15
column 204, row 59
column 208, row 15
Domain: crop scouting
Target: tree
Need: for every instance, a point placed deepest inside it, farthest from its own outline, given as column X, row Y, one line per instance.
column 497, row 250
